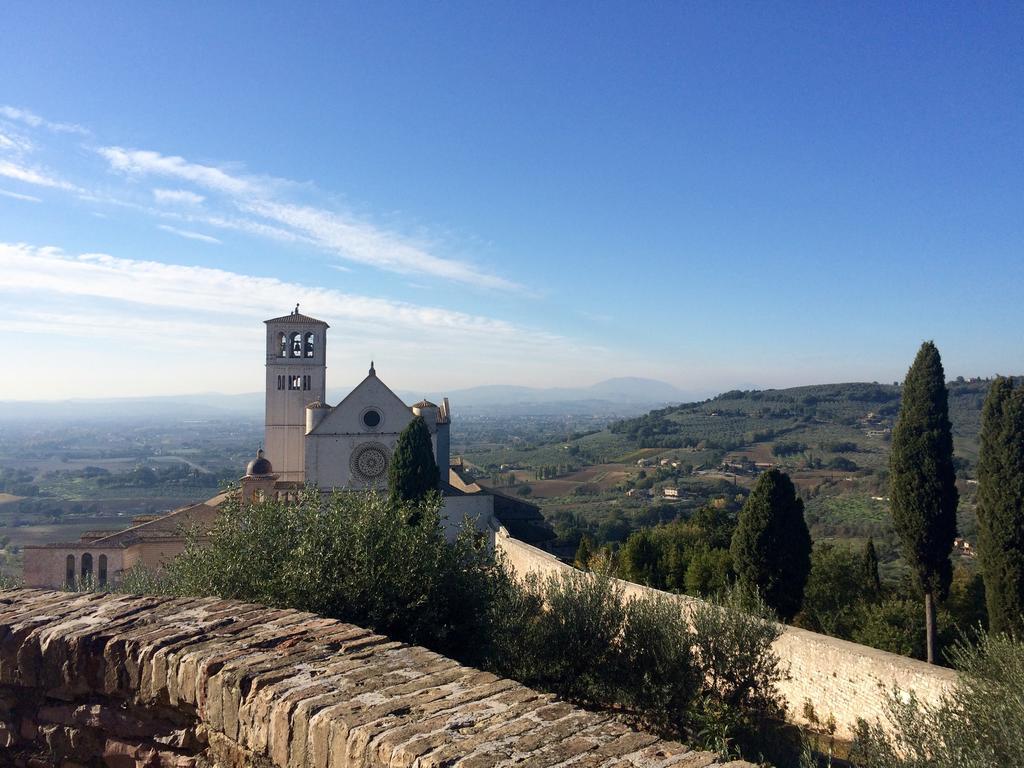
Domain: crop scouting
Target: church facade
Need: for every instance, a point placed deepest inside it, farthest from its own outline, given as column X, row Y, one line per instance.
column 347, row 446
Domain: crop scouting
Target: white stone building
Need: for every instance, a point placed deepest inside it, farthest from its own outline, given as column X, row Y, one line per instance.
column 347, row 446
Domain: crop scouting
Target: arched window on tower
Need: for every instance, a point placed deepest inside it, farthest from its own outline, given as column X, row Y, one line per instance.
column 69, row 571
column 86, row 568
column 282, row 343
column 296, row 344
column 101, row 572
column 309, row 345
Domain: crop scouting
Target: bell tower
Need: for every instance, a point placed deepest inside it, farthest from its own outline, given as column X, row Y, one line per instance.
column 296, row 377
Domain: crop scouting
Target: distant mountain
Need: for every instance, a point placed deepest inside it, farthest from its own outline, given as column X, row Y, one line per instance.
column 620, row 396
column 613, row 396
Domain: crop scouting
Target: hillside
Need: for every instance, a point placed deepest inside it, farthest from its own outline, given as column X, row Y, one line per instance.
column 825, row 420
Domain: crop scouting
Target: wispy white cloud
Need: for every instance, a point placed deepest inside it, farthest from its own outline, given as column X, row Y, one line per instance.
column 33, row 176
column 193, row 288
column 248, row 226
column 342, row 235
column 142, row 162
column 177, row 196
column 365, row 244
column 188, row 233
column 15, row 144
column 31, row 118
column 19, row 196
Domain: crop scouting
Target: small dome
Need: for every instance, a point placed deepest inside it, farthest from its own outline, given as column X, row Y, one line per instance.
column 259, row 466
column 424, row 404
column 317, row 404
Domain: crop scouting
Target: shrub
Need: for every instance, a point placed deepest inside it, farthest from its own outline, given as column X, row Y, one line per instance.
column 980, row 722
column 659, row 677
column 351, row 556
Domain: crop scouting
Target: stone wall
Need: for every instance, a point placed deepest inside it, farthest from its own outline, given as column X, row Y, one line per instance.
column 132, row 681
column 827, row 676
column 48, row 563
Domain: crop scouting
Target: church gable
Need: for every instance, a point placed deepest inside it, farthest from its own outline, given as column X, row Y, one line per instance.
column 369, row 408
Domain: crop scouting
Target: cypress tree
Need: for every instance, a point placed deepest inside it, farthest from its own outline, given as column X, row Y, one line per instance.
column 1001, row 506
column 771, row 547
column 923, row 481
column 413, row 471
column 584, row 552
column 872, row 580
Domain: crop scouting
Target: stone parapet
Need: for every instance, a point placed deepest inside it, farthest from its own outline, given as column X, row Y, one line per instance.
column 827, row 678
column 132, row 681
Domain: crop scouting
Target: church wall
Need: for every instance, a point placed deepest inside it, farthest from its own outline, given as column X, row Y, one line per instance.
column 835, row 677
column 152, row 555
column 47, row 566
column 327, row 458
column 478, row 508
column 285, row 448
column 443, row 450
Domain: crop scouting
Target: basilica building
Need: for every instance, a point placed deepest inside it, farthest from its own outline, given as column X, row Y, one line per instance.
column 349, row 445
column 307, row 442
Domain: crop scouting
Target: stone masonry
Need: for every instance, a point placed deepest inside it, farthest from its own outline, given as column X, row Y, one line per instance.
column 130, row 681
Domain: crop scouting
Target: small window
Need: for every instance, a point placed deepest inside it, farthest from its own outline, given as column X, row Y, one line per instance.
column 309, row 344
column 282, row 343
column 294, row 382
column 86, row 568
column 372, row 418
column 101, row 575
column 69, row 571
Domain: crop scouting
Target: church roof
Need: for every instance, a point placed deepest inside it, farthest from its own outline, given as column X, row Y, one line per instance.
column 260, row 466
column 296, row 317
column 169, row 526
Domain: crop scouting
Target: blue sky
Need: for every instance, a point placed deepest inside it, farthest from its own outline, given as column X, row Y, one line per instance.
column 715, row 194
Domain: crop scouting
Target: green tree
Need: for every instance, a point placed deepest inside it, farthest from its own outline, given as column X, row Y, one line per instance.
column 584, row 552
column 638, row 559
column 834, row 589
column 709, row 572
column 1001, row 506
column 771, row 548
column 869, row 569
column 923, row 482
column 893, row 624
column 413, row 472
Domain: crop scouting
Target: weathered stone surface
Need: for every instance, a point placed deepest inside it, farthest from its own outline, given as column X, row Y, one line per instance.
column 131, row 681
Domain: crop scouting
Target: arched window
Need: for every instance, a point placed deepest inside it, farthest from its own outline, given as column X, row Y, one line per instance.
column 296, row 344
column 309, row 345
column 86, row 568
column 69, row 571
column 282, row 343
column 101, row 575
